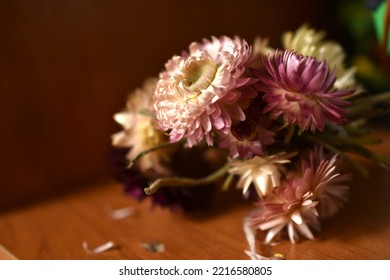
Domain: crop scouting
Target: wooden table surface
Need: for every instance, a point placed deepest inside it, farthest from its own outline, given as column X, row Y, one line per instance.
column 57, row 228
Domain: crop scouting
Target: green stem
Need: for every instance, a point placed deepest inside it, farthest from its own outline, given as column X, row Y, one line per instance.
column 289, row 135
column 366, row 106
column 186, row 182
column 227, row 182
column 350, row 140
column 147, row 151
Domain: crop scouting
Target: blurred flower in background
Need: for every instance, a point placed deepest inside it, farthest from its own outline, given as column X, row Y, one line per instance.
column 363, row 30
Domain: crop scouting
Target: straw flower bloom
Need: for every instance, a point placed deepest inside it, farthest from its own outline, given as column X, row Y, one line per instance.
column 328, row 186
column 263, row 172
column 310, row 42
column 201, row 91
column 226, row 112
column 291, row 207
column 300, row 89
column 140, row 132
column 311, row 193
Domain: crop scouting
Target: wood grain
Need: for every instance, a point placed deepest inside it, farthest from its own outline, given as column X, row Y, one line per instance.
column 5, row 254
column 56, row 228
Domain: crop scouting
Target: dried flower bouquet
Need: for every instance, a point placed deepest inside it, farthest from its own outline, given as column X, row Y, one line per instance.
column 275, row 123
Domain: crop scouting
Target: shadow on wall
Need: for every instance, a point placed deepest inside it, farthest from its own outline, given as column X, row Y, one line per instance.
column 67, row 66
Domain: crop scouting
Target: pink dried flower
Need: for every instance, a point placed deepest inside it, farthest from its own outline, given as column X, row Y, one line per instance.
column 328, row 187
column 300, row 89
column 290, row 207
column 305, row 196
column 308, row 41
column 200, row 91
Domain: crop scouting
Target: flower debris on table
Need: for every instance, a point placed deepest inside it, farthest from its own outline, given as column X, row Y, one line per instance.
column 154, row 247
column 120, row 213
column 109, row 245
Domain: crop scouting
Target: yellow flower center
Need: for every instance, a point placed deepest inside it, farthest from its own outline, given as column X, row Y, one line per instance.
column 198, row 75
column 147, row 133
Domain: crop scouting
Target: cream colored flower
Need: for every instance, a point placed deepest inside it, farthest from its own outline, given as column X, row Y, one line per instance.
column 263, row 172
column 310, row 42
column 140, row 132
column 260, row 48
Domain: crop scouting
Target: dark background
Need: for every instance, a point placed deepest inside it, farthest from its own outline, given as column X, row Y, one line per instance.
column 67, row 66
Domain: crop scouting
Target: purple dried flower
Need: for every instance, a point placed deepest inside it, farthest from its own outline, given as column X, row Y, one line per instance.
column 134, row 182
column 300, row 89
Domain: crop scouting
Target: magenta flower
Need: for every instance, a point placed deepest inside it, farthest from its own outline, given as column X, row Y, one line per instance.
column 301, row 90
column 199, row 92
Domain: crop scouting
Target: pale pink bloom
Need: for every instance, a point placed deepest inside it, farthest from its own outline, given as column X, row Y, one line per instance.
column 200, row 91
column 263, row 172
column 250, row 235
column 328, row 186
column 290, row 207
column 139, row 129
column 300, row 90
column 311, row 193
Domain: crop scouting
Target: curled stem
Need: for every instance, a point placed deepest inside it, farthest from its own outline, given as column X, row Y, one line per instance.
column 186, row 182
column 147, row 151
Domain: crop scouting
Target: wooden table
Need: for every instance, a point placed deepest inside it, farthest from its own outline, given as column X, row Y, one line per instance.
column 57, row 228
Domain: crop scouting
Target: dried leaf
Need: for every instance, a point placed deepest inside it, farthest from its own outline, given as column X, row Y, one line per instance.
column 156, row 247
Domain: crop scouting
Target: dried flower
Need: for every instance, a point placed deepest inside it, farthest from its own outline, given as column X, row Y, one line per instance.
column 140, row 132
column 246, row 139
column 134, row 183
column 263, row 172
column 295, row 204
column 309, row 42
column 299, row 88
column 200, row 91
column 328, row 186
column 257, row 104
column 250, row 137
